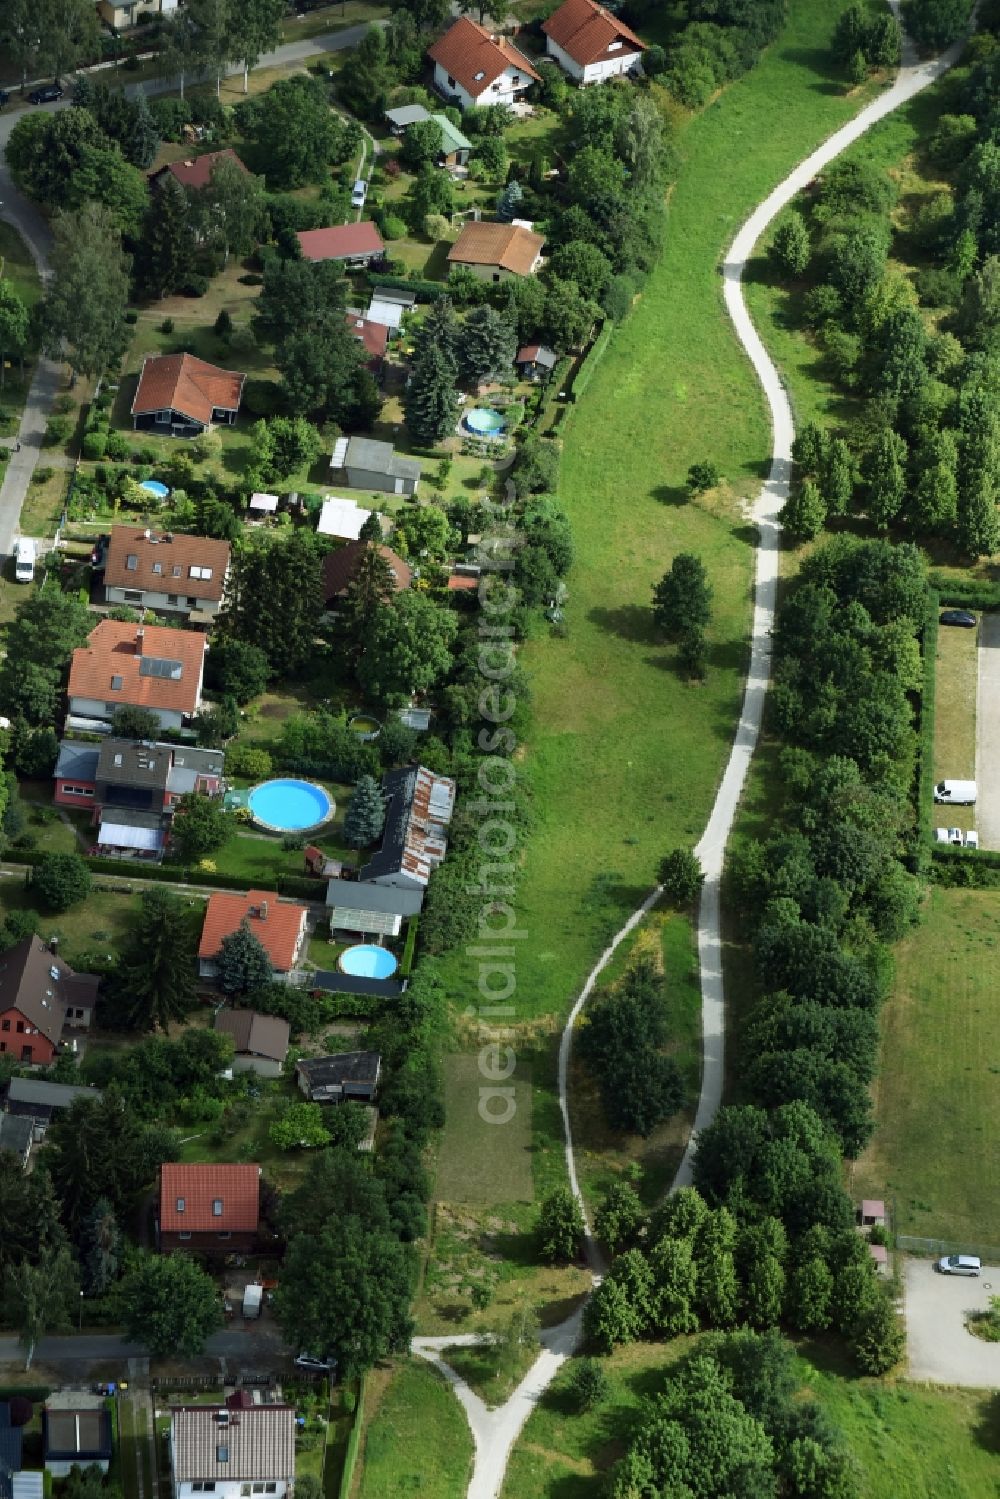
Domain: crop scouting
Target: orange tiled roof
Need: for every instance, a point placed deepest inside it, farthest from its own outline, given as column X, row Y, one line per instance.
column 115, row 652
column 236, row 1188
column 586, row 30
column 197, row 171
column 158, row 555
column 276, row 925
column 180, row 382
column 509, row 246
column 475, row 58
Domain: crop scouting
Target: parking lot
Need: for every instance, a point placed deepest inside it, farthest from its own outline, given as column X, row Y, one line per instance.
column 938, row 1346
column 988, row 733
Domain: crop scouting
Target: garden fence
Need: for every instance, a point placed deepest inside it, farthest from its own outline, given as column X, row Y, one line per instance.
column 917, row 1245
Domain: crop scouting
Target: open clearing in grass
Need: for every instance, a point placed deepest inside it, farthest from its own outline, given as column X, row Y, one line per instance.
column 482, row 1161
column 416, row 1441
column 956, row 682
column 937, row 1096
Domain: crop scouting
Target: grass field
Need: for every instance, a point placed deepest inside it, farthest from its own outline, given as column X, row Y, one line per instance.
column 417, row 1441
column 934, row 1154
column 956, row 676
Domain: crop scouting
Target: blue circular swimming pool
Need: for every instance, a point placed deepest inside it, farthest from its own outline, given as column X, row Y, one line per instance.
column 153, row 486
column 484, row 422
column 289, row 806
column 368, row 961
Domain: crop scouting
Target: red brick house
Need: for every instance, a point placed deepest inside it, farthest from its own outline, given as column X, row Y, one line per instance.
column 211, row 1209
column 40, row 996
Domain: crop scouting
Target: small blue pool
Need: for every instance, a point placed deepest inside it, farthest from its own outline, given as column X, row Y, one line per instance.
column 154, row 487
column 289, row 806
column 368, row 962
column 484, row 422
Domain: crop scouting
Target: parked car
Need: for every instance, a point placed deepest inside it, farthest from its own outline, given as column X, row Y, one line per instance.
column 958, row 617
column 972, row 839
column 948, row 835
column 958, row 793
column 4, row 97
column 358, row 193
column 317, row 1365
column 960, row 1264
column 47, row 94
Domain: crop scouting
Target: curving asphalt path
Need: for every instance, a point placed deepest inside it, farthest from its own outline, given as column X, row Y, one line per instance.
column 494, row 1432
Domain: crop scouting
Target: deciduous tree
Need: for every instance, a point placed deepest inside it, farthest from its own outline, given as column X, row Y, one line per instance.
column 84, row 312
column 169, row 1305
column 408, row 649
column 200, row 826
column 560, row 1226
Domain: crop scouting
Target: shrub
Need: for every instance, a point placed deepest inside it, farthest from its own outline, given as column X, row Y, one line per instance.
column 57, row 431
column 95, row 444
column 42, row 475
column 116, row 447
column 60, row 880
column 249, row 761
column 195, row 286
column 393, row 227
column 167, row 326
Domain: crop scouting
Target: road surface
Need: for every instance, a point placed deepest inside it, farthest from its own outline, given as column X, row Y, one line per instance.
column 938, row 1346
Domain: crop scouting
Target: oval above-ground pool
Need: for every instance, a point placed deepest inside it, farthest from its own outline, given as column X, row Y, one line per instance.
column 290, row 806
column 154, row 487
column 484, row 422
column 367, row 961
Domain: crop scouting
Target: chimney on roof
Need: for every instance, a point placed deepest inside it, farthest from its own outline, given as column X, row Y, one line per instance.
column 140, row 636
column 262, row 910
column 147, row 533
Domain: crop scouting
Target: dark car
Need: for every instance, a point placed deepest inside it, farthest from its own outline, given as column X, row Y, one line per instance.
column 958, row 617
column 4, row 97
column 47, row 94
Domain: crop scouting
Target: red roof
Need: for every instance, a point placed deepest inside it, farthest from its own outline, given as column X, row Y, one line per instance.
column 189, row 1194
column 475, row 57
column 458, row 583
column 180, row 382
column 586, row 32
column 166, row 562
column 342, row 242
column 146, row 666
column 197, row 172
column 374, row 336
column 276, row 925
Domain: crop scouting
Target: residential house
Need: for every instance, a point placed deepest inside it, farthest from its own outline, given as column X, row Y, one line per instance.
column 399, row 120
column 168, row 571
column 180, row 396
column 260, row 1041
column 370, row 464
column 137, row 666
column 234, row 1450
column 373, row 337
column 536, row 361
column 209, row 1209
column 496, row 252
column 279, row 926
column 16, row 1135
column 342, row 518
column 355, row 244
column 196, row 173
column 341, row 566
column 334, row 1079
column 419, row 806
column 133, row 787
column 475, row 66
column 372, row 910
column 591, row 44
column 40, row 998
column 455, row 147
column 121, row 14
column 34, row 1099
column 78, row 1438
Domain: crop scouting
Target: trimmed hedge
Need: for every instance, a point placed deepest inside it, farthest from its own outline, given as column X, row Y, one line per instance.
column 591, row 360
column 925, row 773
column 975, row 869
column 961, row 593
column 297, row 886
column 409, row 947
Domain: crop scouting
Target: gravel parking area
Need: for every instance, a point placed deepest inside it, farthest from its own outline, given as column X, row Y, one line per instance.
column 988, row 734
column 938, row 1345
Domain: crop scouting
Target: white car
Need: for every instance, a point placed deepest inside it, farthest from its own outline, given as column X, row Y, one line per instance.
column 948, row 835
column 972, row 839
column 959, row 793
column 358, row 193
column 316, row 1365
column 959, row 1264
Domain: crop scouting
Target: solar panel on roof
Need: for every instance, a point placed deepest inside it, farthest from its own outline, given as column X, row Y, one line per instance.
column 159, row 666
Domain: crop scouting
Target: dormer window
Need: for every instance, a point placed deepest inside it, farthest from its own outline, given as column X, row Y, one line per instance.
column 117, row 683
column 217, row 1207
column 132, row 562
column 614, row 46
column 181, row 1204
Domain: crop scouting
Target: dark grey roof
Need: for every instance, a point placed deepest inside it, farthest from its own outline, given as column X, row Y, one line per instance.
column 15, row 1133
column 546, row 357
column 380, row 458
column 33, row 980
column 358, row 895
column 348, row 1074
column 76, row 761
column 33, row 1092
column 131, row 817
column 398, row 788
column 333, row 982
column 132, row 762
column 79, row 1434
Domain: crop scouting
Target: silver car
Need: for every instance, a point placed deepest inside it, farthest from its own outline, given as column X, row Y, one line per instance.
column 960, row 1264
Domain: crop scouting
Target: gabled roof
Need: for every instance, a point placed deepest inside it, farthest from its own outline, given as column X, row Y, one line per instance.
column 166, row 562
column 475, row 57
column 255, row 1443
column 147, row 666
column 537, row 354
column 586, row 32
column 276, row 924
column 355, row 895
column 259, row 1035
column 374, row 336
column 452, row 138
column 180, row 382
column 340, row 567
column 510, row 247
column 209, row 1198
column 342, row 242
column 346, row 1074
column 419, row 805
column 39, row 986
column 197, row 172
column 380, row 458
column 35, row 1092
column 133, row 763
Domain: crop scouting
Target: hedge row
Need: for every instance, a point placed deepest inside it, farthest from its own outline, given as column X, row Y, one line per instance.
column 406, row 964
column 976, row 869
column 176, row 874
column 962, row 593
column 424, row 291
column 353, row 1442
column 591, row 360
column 925, row 781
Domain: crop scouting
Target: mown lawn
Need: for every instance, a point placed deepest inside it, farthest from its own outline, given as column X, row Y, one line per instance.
column 97, row 925
column 956, row 677
column 934, row 1155
column 417, row 1440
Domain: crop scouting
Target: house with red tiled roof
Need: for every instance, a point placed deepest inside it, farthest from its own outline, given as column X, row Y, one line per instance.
column 168, row 571
column 374, row 338
column 475, row 66
column 210, row 1209
column 495, row 252
column 355, row 244
column 179, row 396
column 278, row 925
column 196, row 172
column 136, row 666
column 589, row 43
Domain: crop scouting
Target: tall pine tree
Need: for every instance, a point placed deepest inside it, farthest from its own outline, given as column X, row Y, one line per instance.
column 168, row 241
column 154, row 983
column 429, row 403
column 365, row 815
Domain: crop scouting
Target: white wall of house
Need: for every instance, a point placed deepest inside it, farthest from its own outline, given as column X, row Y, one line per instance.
column 85, row 707
column 618, row 63
column 231, row 1488
column 180, row 602
column 263, row 1066
column 503, row 90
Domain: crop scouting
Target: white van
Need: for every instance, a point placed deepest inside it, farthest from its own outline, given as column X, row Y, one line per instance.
column 960, row 1264
column 957, row 793
column 24, row 560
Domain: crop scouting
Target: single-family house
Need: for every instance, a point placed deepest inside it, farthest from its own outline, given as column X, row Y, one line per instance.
column 76, row 1438
column 16, row 1135
column 133, row 787
column 342, row 518
column 355, row 244
column 278, row 925
column 121, row 14
column 372, row 910
column 180, row 396
column 196, row 172
column 371, row 464
column 209, row 1208
column 340, row 568
column 136, row 666
column 40, row 998
column 591, row 44
column 536, row 361
column 455, row 147
column 168, row 571
column 495, row 252
column 36, row 1100
column 400, row 119
column 475, row 66
column 232, row 1450
column 373, row 337
column 334, row 1079
column 260, row 1041
column 419, row 806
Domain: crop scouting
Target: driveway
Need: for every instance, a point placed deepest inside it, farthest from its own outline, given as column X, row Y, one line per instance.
column 988, row 732
column 938, row 1345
